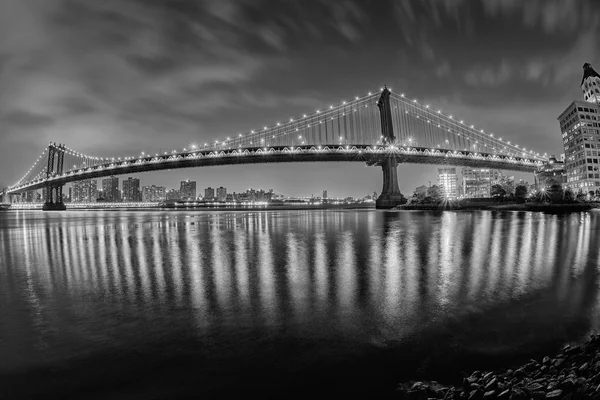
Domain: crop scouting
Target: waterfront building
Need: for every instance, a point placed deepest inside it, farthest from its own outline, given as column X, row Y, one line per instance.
column 324, row 194
column 447, row 181
column 131, row 190
column 84, row 191
column 187, row 190
column 153, row 193
column 580, row 129
column 477, row 182
column 209, row 194
column 173, row 195
column 110, row 189
column 551, row 170
column 221, row 194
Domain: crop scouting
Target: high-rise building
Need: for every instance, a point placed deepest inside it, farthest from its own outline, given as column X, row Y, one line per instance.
column 84, row 191
column 209, row 194
column 131, row 190
column 221, row 194
column 187, row 190
column 110, row 189
column 447, row 181
column 477, row 182
column 580, row 128
column 153, row 193
column 590, row 84
column 324, row 194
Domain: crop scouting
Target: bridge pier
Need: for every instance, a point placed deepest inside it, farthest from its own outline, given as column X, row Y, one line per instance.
column 390, row 193
column 54, row 200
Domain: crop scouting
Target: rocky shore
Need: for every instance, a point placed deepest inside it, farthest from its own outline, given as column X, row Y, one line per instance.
column 574, row 373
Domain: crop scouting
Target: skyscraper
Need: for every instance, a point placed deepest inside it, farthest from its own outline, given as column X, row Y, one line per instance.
column 324, row 194
column 580, row 128
column 110, row 189
column 447, row 181
column 209, row 194
column 187, row 190
column 84, row 191
column 221, row 194
column 131, row 190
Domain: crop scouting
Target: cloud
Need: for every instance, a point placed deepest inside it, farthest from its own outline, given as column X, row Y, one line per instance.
column 489, row 76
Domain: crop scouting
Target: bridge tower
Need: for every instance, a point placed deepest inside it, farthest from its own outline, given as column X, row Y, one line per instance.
column 390, row 193
column 54, row 193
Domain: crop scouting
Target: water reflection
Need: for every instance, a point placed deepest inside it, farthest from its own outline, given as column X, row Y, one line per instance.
column 374, row 277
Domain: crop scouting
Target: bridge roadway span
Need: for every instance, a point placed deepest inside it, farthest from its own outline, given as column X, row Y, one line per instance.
column 369, row 154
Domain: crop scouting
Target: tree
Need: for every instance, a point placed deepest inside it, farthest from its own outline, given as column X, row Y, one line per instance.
column 435, row 192
column 507, row 184
column 569, row 196
column 520, row 193
column 555, row 192
column 497, row 191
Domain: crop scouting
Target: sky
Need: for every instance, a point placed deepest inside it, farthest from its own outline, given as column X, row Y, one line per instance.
column 116, row 77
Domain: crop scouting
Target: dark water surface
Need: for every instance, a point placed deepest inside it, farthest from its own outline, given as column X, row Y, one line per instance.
column 211, row 304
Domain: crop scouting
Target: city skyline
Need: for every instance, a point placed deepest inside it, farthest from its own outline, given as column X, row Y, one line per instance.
column 480, row 86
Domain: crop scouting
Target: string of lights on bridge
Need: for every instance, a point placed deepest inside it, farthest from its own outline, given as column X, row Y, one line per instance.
column 302, row 123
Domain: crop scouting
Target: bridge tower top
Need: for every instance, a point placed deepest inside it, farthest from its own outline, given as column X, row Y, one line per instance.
column 385, row 112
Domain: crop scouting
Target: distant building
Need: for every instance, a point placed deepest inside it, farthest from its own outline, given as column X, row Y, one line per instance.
column 324, row 194
column 173, row 195
column 187, row 190
column 221, row 194
column 447, row 181
column 110, row 189
column 580, row 128
column 209, row 194
column 477, row 182
column 131, row 190
column 552, row 170
column 153, row 193
column 84, row 191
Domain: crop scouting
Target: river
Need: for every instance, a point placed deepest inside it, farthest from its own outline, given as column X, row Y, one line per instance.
column 172, row 304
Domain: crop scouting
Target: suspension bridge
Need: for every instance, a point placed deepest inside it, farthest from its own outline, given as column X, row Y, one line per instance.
column 381, row 129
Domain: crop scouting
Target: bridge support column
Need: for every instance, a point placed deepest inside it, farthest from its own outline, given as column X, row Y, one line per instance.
column 54, row 196
column 390, row 193
column 54, row 201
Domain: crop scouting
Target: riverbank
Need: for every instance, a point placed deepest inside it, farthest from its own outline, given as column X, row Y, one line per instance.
column 543, row 207
column 574, row 373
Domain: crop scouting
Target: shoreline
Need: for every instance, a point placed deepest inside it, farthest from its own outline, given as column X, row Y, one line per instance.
column 575, row 207
column 573, row 373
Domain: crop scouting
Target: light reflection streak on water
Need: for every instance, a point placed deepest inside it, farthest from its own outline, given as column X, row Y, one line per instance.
column 266, row 280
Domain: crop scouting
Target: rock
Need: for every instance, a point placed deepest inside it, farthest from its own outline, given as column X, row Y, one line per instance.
column 555, row 394
column 559, row 362
column 491, row 385
column 486, row 376
column 476, row 395
column 538, row 394
column 573, row 349
column 584, row 367
column 489, row 395
column 504, row 394
column 567, row 384
column 534, row 387
column 518, row 394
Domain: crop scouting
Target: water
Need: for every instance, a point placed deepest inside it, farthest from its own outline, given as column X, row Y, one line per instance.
column 134, row 304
